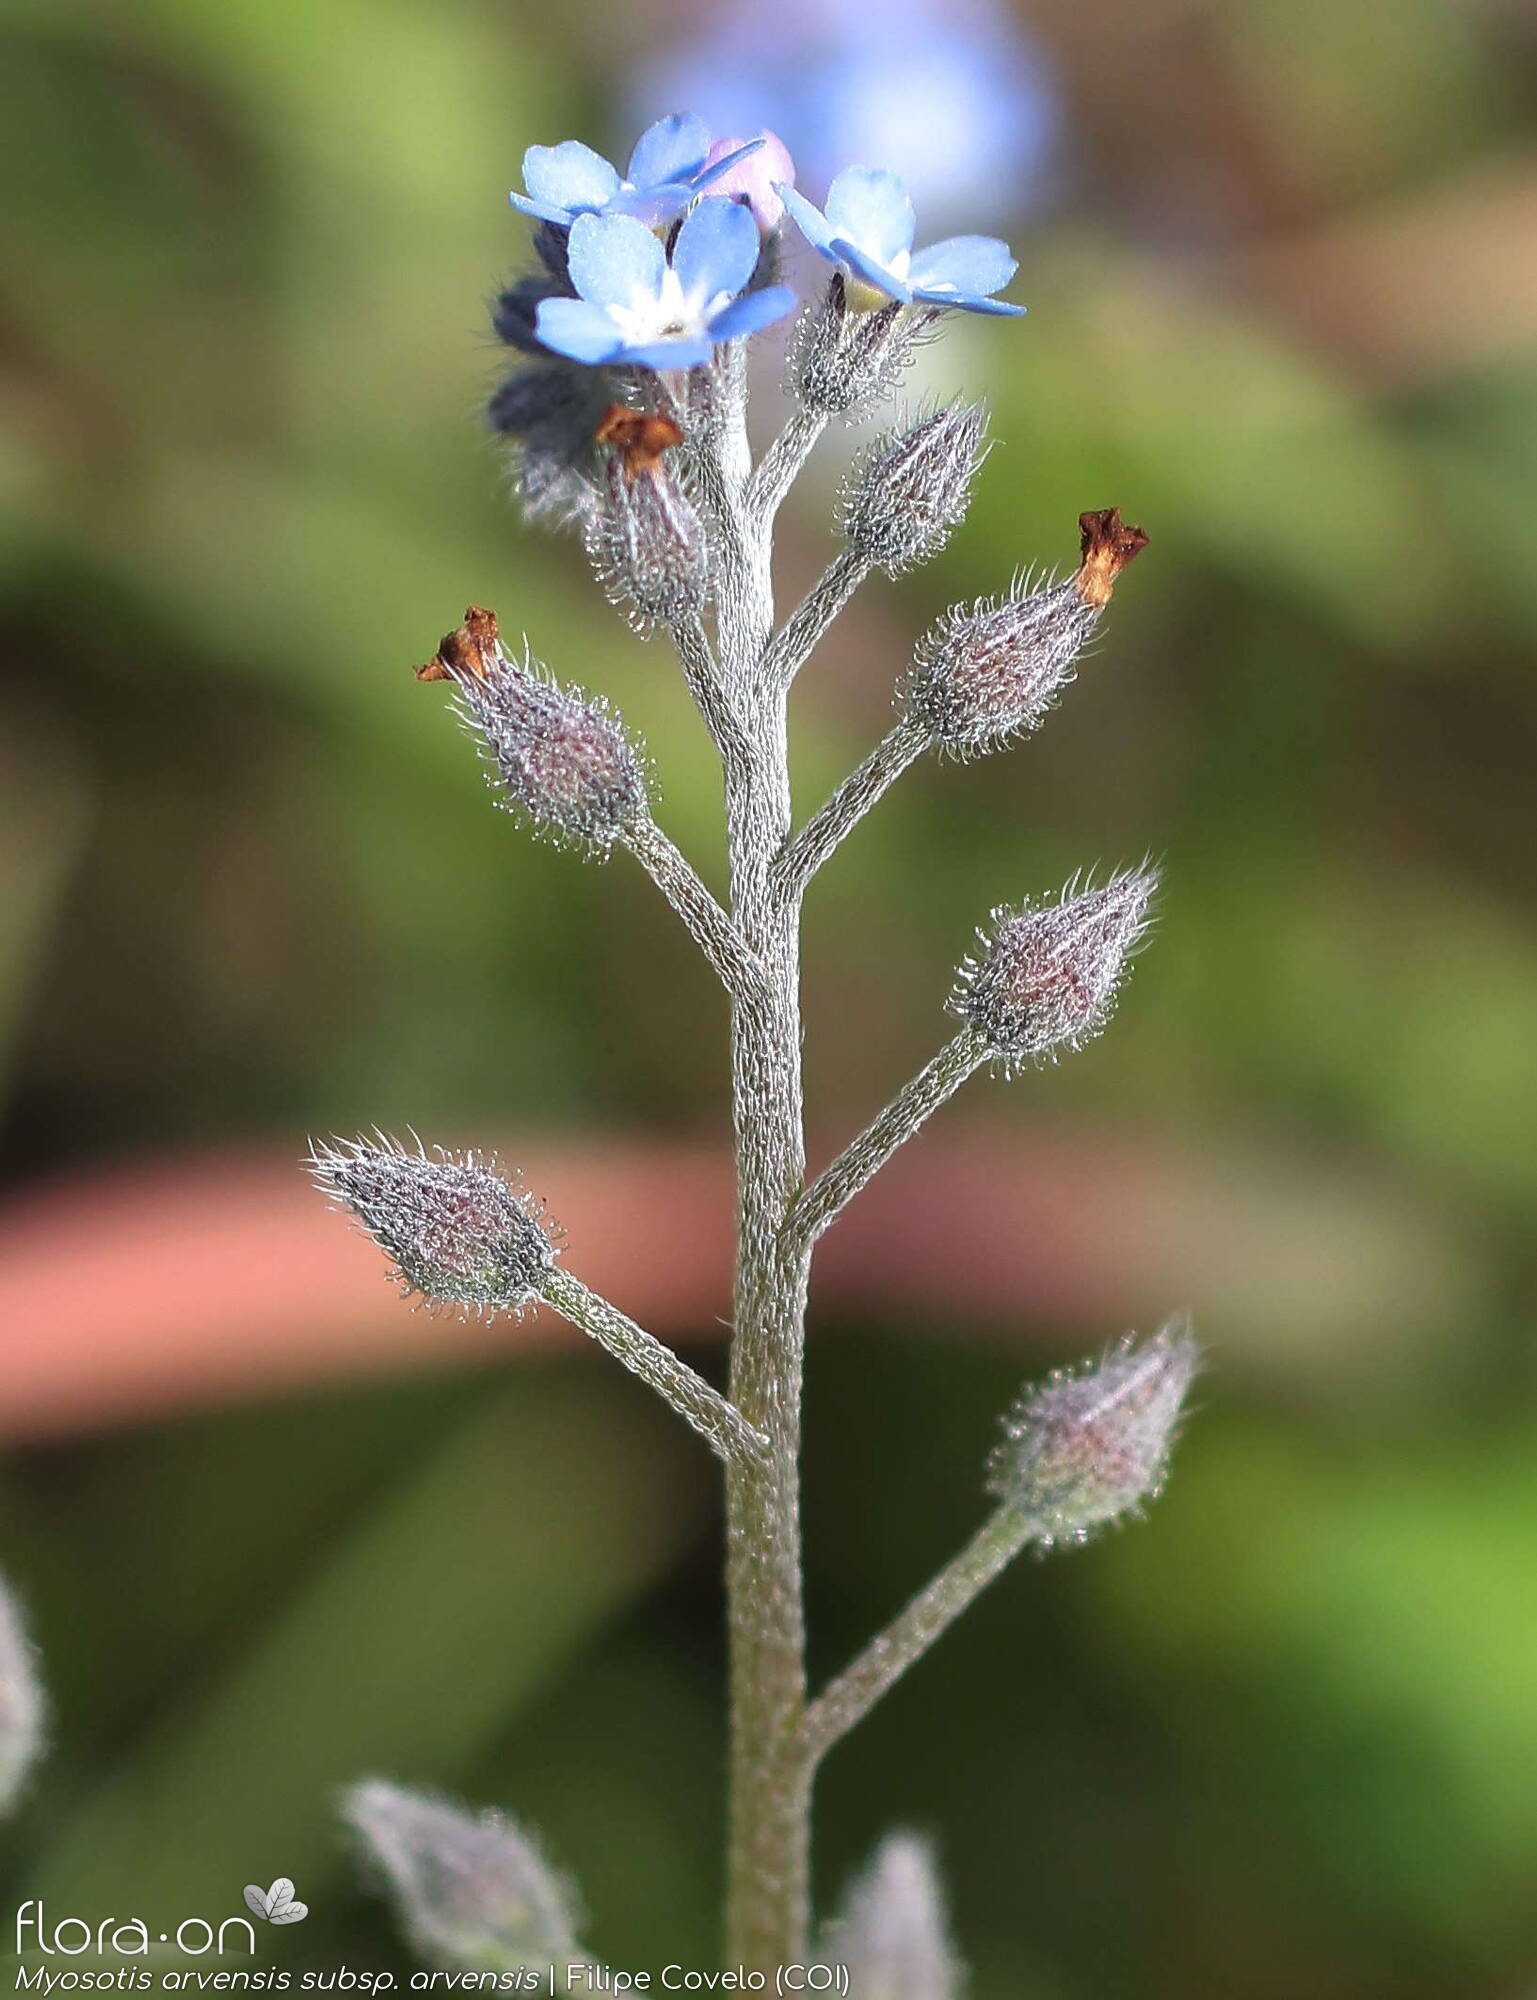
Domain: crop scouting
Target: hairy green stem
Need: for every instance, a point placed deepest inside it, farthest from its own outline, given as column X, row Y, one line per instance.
column 862, row 1159
column 706, row 1409
column 863, row 788
column 794, row 644
column 769, row 1844
column 850, row 1698
column 783, row 460
column 707, row 923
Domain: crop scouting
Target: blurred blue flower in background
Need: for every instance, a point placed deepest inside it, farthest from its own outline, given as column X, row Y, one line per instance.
column 950, row 94
column 635, row 305
column 867, row 231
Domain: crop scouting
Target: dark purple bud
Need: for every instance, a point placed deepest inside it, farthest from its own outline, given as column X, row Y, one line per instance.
column 473, row 1890
column 911, row 490
column 1093, row 1443
column 551, row 415
column 458, row 1231
column 552, row 246
column 513, row 311
column 1047, row 974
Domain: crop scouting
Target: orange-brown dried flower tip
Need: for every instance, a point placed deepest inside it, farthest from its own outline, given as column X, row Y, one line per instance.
column 638, row 439
column 1108, row 546
column 472, row 649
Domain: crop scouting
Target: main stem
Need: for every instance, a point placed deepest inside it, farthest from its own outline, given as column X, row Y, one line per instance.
column 769, row 1855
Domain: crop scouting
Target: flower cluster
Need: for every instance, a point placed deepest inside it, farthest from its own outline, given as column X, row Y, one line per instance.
column 649, row 273
column 629, row 411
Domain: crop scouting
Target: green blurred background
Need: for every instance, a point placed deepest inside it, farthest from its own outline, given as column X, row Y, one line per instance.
column 1281, row 1739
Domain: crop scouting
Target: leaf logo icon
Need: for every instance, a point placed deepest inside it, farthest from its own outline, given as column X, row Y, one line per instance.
column 275, row 1905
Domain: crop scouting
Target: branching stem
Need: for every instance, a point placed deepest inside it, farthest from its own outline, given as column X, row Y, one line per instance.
column 706, row 1409
column 782, row 462
column 858, row 1164
column 863, row 788
column 707, row 923
column 850, row 1698
column 797, row 639
column 697, row 658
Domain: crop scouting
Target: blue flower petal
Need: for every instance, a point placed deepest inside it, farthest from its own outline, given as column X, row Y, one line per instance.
column 976, row 265
column 668, row 354
column 653, row 206
column 673, row 149
column 717, row 249
column 575, row 328
column 614, row 257
column 752, row 311
column 870, row 207
column 808, row 219
column 569, row 176
column 707, row 175
column 541, row 211
column 1000, row 308
column 866, row 268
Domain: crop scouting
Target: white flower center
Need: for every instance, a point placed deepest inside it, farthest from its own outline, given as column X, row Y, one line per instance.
column 667, row 314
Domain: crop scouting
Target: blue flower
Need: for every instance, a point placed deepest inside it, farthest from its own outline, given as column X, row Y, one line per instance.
column 634, row 305
column 666, row 171
column 867, row 231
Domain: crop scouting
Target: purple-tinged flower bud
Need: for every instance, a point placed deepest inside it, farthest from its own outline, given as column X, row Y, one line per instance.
column 473, row 1891
column 752, row 180
column 1093, row 1443
column 459, row 1232
column 911, row 490
column 647, row 542
column 557, row 755
column 892, row 1934
column 22, row 1707
column 1047, row 974
column 989, row 671
column 842, row 362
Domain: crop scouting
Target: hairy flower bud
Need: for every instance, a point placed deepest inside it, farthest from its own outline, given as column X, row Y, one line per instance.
column 647, row 542
column 1093, row 1443
column 22, row 1706
column 473, row 1891
column 1047, row 974
column 911, row 490
column 557, row 755
column 891, row 1936
column 459, row 1232
column 989, row 671
column 550, row 414
column 842, row 362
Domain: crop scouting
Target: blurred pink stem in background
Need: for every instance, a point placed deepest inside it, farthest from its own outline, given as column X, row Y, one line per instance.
column 131, row 1293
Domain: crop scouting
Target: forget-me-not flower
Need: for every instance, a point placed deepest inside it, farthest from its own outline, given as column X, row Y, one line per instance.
column 666, row 171
column 867, row 231
column 635, row 305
